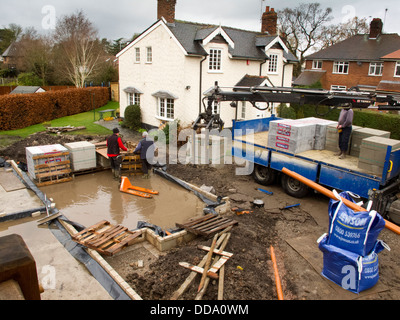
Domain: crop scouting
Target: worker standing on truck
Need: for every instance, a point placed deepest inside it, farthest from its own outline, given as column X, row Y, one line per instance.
column 114, row 144
column 345, row 127
column 146, row 150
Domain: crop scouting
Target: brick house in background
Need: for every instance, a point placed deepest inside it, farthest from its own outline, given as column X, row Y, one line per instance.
column 370, row 61
column 170, row 66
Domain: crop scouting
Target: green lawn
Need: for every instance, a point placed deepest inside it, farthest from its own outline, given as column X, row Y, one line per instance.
column 86, row 119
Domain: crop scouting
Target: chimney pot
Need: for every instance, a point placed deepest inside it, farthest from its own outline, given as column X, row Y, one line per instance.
column 166, row 9
column 269, row 21
column 375, row 28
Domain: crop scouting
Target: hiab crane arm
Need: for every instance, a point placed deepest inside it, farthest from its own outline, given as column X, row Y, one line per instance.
column 324, row 100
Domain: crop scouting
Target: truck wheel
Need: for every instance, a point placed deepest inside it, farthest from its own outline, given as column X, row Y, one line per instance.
column 264, row 175
column 294, row 187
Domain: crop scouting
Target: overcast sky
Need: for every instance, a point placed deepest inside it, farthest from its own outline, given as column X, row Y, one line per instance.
column 122, row 18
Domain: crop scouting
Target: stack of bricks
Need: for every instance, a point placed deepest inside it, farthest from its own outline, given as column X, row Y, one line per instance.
column 332, row 137
column 361, row 134
column 373, row 153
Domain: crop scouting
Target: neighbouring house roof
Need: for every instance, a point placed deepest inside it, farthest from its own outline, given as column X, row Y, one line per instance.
column 253, row 81
column 308, row 77
column 27, row 89
column 394, row 55
column 11, row 51
column 243, row 44
column 360, row 48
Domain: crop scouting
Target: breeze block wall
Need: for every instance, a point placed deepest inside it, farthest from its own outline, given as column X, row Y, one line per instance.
column 24, row 110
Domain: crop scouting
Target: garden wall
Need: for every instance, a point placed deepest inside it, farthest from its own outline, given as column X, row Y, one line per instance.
column 24, row 110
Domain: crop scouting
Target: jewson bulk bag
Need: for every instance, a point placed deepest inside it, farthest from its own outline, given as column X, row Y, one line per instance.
column 349, row 270
column 353, row 231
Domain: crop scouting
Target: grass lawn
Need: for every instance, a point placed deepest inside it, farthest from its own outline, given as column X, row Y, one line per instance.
column 86, row 119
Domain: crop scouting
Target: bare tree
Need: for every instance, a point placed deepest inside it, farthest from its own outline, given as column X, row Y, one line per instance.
column 302, row 28
column 333, row 34
column 78, row 50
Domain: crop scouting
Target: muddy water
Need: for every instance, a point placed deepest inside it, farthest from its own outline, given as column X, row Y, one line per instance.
column 89, row 199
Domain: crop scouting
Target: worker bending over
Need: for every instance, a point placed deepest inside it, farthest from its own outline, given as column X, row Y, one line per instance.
column 114, row 144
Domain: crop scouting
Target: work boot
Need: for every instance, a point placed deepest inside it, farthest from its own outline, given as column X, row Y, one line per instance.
column 117, row 174
column 338, row 154
column 145, row 176
column 342, row 156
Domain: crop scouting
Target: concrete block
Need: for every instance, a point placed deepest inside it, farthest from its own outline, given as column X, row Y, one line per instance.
column 361, row 134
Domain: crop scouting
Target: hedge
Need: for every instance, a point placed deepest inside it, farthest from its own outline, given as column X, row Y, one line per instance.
column 363, row 118
column 24, row 110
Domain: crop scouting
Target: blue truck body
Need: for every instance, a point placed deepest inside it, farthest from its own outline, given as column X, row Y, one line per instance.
column 333, row 175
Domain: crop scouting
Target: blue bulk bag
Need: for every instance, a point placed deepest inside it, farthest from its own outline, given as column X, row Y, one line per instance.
column 353, row 231
column 349, row 270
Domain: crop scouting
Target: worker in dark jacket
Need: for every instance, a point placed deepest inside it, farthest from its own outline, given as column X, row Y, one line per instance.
column 146, row 150
column 345, row 127
column 114, row 144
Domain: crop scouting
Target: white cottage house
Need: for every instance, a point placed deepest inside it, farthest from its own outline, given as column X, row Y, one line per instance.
column 168, row 68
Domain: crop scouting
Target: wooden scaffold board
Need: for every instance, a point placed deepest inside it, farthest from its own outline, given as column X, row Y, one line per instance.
column 106, row 238
column 207, row 225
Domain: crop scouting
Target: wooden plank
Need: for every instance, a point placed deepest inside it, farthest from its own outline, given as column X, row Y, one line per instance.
column 48, row 183
column 221, row 227
column 216, row 251
column 195, row 221
column 51, row 165
column 52, row 155
column 106, row 236
column 91, row 229
column 209, row 258
column 215, row 268
column 221, row 283
column 126, row 242
column 193, row 274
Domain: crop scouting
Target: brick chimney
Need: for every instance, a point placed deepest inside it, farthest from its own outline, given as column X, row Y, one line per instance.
column 375, row 28
column 166, row 9
column 269, row 22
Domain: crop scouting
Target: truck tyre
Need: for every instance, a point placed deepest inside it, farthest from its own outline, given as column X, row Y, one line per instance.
column 294, row 187
column 264, row 175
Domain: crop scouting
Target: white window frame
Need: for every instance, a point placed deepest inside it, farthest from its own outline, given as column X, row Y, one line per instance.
column 335, row 87
column 164, row 108
column 137, row 55
column 341, row 67
column 149, row 55
column 215, row 60
column 243, row 111
column 375, row 69
column 397, row 69
column 273, row 63
column 317, row 64
column 133, row 98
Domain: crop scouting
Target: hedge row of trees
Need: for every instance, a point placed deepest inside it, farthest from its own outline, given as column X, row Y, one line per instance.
column 24, row 110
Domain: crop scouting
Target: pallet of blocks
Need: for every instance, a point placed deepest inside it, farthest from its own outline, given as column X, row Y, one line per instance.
column 48, row 165
column 131, row 165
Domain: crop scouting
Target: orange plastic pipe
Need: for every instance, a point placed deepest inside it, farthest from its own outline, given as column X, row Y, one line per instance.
column 276, row 272
column 389, row 225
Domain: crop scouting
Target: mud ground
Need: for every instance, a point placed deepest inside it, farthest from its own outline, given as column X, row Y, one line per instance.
column 250, row 243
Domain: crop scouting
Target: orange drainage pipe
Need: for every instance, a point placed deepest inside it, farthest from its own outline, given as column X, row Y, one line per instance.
column 388, row 225
column 277, row 278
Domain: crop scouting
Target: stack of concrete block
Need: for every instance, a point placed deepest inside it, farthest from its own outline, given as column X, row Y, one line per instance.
column 83, row 155
column 373, row 153
column 292, row 136
column 321, row 127
column 361, row 134
column 332, row 137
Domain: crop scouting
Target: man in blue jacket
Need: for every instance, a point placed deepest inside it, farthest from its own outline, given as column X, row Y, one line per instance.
column 146, row 150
